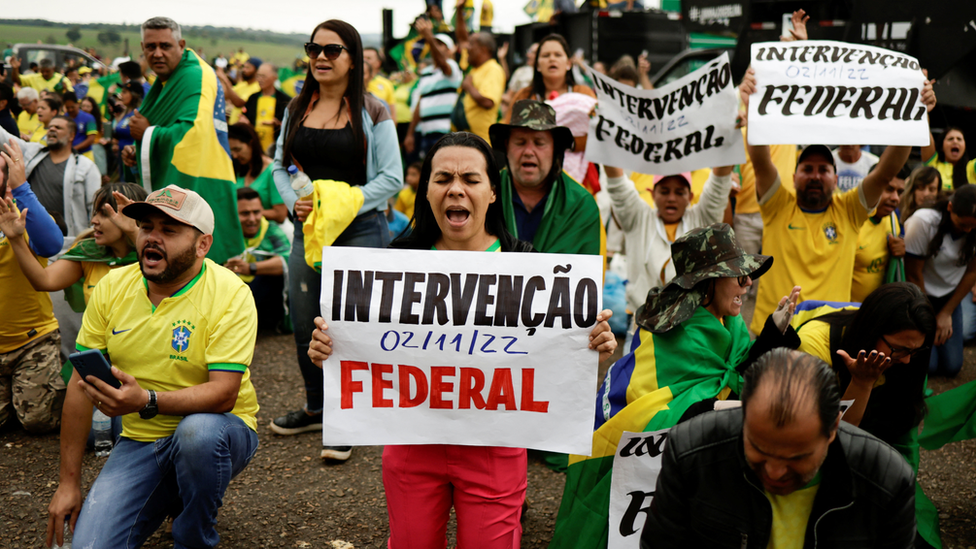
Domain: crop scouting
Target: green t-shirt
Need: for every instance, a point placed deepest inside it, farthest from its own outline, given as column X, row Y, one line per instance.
column 265, row 187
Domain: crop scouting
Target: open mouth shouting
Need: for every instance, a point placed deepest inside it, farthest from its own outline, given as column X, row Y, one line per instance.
column 152, row 257
column 457, row 216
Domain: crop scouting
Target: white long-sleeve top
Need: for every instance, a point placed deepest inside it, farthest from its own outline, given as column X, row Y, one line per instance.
column 648, row 248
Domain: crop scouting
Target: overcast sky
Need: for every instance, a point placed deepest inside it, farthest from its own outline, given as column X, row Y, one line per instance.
column 281, row 16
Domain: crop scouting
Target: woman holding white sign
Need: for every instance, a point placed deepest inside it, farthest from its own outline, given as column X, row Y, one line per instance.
column 456, row 209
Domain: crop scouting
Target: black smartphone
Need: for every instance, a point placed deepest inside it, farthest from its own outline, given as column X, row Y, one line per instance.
column 92, row 363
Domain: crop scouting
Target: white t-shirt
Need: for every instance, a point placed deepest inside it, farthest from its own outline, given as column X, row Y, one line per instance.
column 942, row 272
column 849, row 175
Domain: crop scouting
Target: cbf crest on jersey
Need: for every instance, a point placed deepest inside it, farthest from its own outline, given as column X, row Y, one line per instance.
column 182, row 331
column 830, row 231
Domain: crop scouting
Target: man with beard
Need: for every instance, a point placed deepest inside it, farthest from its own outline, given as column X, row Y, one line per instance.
column 64, row 181
column 811, row 233
column 881, row 238
column 179, row 331
column 781, row 471
column 541, row 203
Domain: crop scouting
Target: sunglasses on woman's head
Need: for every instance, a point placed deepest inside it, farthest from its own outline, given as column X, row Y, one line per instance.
column 332, row 51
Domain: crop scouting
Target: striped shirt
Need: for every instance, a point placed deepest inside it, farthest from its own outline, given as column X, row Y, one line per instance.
column 438, row 94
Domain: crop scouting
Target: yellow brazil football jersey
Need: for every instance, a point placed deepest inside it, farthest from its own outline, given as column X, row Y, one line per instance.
column 791, row 513
column 243, row 90
column 489, row 79
column 871, row 259
column 813, row 250
column 946, row 169
column 31, row 313
column 57, row 84
column 383, row 89
column 27, row 123
column 264, row 120
column 209, row 325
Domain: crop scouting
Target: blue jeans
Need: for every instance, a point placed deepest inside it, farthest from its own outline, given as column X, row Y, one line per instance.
column 368, row 230
column 946, row 359
column 185, row 473
column 968, row 317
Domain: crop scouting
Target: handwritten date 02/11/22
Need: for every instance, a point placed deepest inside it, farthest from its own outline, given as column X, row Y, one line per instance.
column 459, row 342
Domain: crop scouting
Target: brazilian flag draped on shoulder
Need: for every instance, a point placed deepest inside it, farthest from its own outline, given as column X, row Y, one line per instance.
column 570, row 221
column 182, row 147
column 648, row 389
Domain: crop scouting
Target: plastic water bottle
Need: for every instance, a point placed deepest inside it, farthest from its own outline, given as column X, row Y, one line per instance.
column 300, row 182
column 102, row 425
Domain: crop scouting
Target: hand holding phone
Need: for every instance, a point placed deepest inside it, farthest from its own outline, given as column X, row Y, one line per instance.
column 93, row 363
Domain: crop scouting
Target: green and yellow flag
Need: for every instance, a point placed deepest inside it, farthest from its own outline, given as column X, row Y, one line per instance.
column 570, row 221
column 648, row 389
column 182, row 147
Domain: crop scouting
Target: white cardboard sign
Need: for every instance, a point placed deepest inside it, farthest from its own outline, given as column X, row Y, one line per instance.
column 820, row 91
column 636, row 466
column 683, row 126
column 470, row 348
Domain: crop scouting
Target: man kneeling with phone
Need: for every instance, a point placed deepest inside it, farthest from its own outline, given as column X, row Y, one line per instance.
column 179, row 331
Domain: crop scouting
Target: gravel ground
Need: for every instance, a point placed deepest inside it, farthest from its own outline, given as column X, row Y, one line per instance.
column 287, row 497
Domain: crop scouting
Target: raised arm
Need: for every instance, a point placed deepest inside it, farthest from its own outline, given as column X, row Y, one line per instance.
column 229, row 92
column 928, row 151
column 426, row 29
column 893, row 158
column 762, row 160
column 460, row 25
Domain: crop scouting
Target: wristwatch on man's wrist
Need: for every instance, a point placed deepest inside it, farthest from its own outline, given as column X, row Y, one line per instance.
column 151, row 408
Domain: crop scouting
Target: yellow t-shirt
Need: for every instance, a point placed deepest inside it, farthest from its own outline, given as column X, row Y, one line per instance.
column 871, row 259
column 58, row 83
column 27, row 123
column 814, row 250
column 39, row 136
column 946, row 169
column 243, row 90
column 487, row 13
column 784, row 158
column 401, row 94
column 239, row 58
column 489, row 79
column 209, row 325
column 405, row 201
column 264, row 120
column 790, row 516
column 26, row 308
column 815, row 336
column 382, row 89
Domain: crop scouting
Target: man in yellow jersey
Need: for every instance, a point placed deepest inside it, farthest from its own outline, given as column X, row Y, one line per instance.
column 31, row 387
column 380, row 86
column 27, row 120
column 748, row 223
column 483, row 86
column 179, row 331
column 812, row 233
column 265, row 109
column 45, row 78
column 238, row 94
column 881, row 239
column 781, row 471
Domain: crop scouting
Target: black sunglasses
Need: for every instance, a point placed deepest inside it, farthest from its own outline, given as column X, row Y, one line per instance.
column 332, row 51
column 743, row 280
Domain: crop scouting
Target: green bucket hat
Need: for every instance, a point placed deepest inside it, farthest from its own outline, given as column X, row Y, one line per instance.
column 533, row 115
column 701, row 254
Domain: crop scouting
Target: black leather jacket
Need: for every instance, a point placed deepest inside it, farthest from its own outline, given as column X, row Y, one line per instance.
column 708, row 496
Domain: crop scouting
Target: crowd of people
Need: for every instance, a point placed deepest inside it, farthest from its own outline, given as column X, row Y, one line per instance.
column 150, row 214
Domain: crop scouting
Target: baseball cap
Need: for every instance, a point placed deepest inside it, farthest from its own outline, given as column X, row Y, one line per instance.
column 183, row 205
column 84, row 70
column 685, row 175
column 820, row 150
column 445, row 39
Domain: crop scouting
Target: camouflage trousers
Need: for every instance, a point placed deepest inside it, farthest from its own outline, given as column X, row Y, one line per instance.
column 31, row 384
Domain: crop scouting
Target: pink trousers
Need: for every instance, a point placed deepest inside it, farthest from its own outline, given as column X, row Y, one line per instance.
column 486, row 486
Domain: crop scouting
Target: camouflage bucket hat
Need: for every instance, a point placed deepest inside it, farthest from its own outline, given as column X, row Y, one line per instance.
column 532, row 115
column 702, row 254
